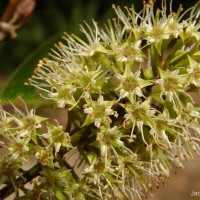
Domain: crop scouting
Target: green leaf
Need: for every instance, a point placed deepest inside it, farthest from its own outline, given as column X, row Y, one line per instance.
column 15, row 86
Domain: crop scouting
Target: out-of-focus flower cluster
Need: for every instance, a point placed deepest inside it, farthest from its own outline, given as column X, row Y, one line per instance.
column 127, row 88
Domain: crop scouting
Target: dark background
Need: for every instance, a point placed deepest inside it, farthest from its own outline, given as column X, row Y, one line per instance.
column 57, row 16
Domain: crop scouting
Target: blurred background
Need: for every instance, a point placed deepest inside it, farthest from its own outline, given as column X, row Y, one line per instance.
column 48, row 21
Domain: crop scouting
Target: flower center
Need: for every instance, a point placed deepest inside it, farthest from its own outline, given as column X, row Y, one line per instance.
column 129, row 52
column 171, row 83
column 99, row 111
column 29, row 123
column 197, row 74
column 156, row 32
column 129, row 84
column 63, row 93
column 139, row 114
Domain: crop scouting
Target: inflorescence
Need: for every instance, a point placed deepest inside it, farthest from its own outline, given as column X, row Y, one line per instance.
column 128, row 89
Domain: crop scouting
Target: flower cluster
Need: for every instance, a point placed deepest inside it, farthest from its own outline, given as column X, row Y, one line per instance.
column 25, row 138
column 131, row 114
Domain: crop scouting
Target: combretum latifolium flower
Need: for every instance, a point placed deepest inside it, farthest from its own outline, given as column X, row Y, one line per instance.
column 131, row 114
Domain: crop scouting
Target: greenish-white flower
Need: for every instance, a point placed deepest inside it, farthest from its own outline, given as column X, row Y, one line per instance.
column 131, row 84
column 98, row 112
column 194, row 72
column 57, row 137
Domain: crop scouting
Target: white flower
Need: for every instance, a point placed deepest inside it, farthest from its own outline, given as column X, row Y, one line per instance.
column 77, row 46
column 171, row 83
column 138, row 115
column 130, row 21
column 131, row 85
column 192, row 30
column 173, row 27
column 129, row 52
column 99, row 111
column 18, row 149
column 45, row 157
column 194, row 72
column 57, row 137
column 155, row 34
